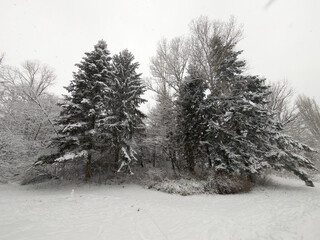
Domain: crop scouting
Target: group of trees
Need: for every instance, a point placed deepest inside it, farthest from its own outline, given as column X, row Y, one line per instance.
column 99, row 117
column 213, row 115
column 210, row 114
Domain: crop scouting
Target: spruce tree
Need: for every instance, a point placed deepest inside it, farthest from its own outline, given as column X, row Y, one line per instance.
column 243, row 134
column 191, row 122
column 123, row 119
column 82, row 109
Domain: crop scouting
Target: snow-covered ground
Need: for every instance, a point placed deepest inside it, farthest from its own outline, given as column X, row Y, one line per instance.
column 285, row 210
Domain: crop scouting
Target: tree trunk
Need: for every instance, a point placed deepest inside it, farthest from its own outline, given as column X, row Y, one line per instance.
column 154, row 157
column 172, row 163
column 173, row 158
column 191, row 164
column 117, row 156
column 189, row 156
column 141, row 157
column 209, row 158
column 88, row 167
column 37, row 133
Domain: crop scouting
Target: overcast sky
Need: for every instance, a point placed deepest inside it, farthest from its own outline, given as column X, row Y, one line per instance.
column 281, row 37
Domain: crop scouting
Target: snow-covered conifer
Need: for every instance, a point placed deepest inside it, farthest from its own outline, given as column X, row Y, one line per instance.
column 244, row 134
column 191, row 122
column 123, row 119
column 82, row 109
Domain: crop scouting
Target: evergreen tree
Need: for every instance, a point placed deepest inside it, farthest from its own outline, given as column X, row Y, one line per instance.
column 82, row 109
column 243, row 133
column 123, row 119
column 191, row 117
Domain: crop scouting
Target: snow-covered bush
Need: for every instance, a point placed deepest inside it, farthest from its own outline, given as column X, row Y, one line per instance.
column 226, row 184
column 156, row 175
column 181, row 186
column 36, row 175
column 187, row 184
column 16, row 155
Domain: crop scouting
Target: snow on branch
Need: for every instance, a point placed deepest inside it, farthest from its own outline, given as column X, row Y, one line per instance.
column 127, row 159
column 72, row 156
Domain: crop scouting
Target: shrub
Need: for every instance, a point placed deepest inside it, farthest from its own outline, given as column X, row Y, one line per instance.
column 181, row 186
column 226, row 184
column 187, row 184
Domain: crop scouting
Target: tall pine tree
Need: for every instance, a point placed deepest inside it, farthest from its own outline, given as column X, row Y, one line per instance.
column 191, row 122
column 123, row 119
column 82, row 109
column 243, row 134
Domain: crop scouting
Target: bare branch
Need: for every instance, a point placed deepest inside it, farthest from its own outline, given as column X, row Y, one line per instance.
column 170, row 63
column 310, row 113
column 280, row 101
column 205, row 34
column 27, row 85
column 35, row 77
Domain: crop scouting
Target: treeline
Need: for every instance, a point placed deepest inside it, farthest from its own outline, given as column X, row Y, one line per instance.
column 210, row 116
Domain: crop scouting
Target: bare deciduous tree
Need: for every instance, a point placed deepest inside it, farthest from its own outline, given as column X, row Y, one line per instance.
column 25, row 111
column 201, row 50
column 281, row 102
column 25, row 85
column 205, row 35
column 310, row 113
column 35, row 78
column 169, row 65
column 168, row 68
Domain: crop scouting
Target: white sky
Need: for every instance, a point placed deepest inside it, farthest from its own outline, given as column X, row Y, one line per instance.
column 281, row 37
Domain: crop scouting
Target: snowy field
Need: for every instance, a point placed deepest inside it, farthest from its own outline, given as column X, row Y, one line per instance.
column 284, row 210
